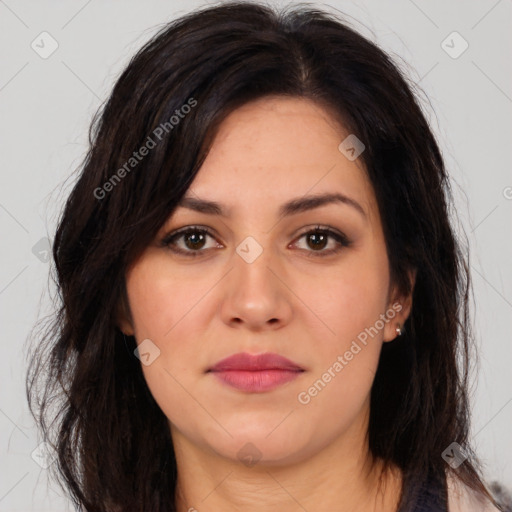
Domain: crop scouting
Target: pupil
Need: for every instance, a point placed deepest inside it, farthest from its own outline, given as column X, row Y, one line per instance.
column 317, row 236
column 194, row 243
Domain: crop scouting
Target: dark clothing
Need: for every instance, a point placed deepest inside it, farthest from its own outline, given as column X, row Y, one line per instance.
column 432, row 496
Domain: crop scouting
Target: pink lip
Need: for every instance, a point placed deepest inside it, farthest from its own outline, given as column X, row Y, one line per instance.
column 256, row 373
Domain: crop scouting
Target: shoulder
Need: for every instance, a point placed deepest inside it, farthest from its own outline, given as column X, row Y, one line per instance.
column 463, row 499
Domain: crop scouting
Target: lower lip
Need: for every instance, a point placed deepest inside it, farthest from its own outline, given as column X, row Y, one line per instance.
column 256, row 381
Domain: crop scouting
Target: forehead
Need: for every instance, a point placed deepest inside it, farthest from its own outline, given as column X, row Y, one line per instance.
column 277, row 148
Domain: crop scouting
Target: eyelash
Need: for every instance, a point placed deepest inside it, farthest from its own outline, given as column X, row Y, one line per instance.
column 169, row 239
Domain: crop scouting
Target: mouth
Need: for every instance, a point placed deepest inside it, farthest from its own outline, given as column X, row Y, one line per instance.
column 255, row 373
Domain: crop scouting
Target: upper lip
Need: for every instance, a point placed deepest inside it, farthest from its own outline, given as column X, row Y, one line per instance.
column 248, row 362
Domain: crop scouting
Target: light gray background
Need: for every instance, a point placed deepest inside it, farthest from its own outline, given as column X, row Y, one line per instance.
column 47, row 105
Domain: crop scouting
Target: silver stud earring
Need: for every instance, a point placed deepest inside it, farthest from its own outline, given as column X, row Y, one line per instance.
column 398, row 330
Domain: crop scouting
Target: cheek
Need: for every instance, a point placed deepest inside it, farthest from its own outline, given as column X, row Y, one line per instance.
column 350, row 304
column 350, row 298
column 167, row 309
column 159, row 299
column 347, row 355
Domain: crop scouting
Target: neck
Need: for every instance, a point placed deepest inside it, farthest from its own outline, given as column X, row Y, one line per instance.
column 342, row 477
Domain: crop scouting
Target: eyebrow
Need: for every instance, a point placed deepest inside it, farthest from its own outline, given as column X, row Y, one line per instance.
column 292, row 207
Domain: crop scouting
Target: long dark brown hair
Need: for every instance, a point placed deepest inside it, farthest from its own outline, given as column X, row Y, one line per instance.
column 86, row 388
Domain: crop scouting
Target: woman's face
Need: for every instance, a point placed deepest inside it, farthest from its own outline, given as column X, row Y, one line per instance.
column 259, row 283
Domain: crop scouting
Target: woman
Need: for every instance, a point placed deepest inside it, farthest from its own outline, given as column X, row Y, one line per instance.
column 263, row 300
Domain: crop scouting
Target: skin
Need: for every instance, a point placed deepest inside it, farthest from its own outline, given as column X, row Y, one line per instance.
column 290, row 300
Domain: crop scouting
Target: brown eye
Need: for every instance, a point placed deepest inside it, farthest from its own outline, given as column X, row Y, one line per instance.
column 318, row 239
column 194, row 240
column 189, row 241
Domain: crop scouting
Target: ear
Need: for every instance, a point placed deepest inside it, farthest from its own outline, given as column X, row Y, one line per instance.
column 399, row 308
column 123, row 317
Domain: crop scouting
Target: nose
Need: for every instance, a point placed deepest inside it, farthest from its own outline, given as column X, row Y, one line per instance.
column 255, row 295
